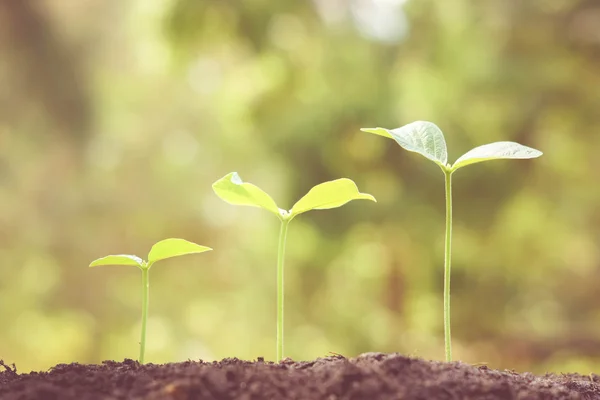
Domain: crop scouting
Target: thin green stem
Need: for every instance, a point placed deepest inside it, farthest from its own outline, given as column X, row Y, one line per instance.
column 280, row 258
column 145, row 298
column 447, row 265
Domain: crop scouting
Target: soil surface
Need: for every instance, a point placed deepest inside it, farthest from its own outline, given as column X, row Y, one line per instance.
column 369, row 376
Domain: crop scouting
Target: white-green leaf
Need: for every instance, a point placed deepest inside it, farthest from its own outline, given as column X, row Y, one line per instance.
column 420, row 137
column 233, row 190
column 330, row 194
column 496, row 151
column 169, row 248
column 378, row 131
column 118, row 259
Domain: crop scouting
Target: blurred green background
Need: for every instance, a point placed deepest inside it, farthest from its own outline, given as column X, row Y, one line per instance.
column 117, row 116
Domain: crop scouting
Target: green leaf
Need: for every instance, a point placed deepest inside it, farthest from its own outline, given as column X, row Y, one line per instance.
column 233, row 190
column 119, row 259
column 378, row 131
column 420, row 137
column 169, row 248
column 496, row 151
column 330, row 194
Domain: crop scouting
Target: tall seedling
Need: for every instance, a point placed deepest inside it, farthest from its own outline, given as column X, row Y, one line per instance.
column 327, row 195
column 428, row 140
column 162, row 250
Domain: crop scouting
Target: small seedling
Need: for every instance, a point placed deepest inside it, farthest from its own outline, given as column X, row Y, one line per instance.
column 428, row 140
column 162, row 250
column 326, row 195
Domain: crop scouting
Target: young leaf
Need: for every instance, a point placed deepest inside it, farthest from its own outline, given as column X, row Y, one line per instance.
column 496, row 151
column 119, row 259
column 420, row 137
column 330, row 194
column 378, row 131
column 169, row 248
column 234, row 191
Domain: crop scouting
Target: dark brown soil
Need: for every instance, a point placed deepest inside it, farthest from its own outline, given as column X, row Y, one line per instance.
column 369, row 376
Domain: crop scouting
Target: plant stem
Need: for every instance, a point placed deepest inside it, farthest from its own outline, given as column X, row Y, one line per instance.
column 280, row 258
column 145, row 298
column 447, row 265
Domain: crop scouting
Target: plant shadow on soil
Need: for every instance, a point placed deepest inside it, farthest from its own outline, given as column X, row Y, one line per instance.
column 368, row 376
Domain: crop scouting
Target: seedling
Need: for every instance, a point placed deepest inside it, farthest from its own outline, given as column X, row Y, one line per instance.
column 162, row 250
column 428, row 140
column 326, row 195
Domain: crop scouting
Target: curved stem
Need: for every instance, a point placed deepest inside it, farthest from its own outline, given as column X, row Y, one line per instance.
column 280, row 258
column 145, row 298
column 447, row 265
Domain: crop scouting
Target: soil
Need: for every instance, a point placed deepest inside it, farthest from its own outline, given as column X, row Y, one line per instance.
column 368, row 376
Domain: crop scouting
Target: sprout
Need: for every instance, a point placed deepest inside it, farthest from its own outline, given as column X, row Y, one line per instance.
column 162, row 250
column 428, row 140
column 327, row 195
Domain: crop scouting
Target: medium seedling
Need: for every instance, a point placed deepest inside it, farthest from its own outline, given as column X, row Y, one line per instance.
column 326, row 195
column 428, row 140
column 162, row 250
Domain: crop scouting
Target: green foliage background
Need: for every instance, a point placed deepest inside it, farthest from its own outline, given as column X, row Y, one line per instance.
column 116, row 117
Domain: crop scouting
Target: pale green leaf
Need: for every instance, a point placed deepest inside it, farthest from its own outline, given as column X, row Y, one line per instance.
column 496, row 151
column 169, row 248
column 233, row 190
column 420, row 137
column 330, row 194
column 378, row 131
column 119, row 259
